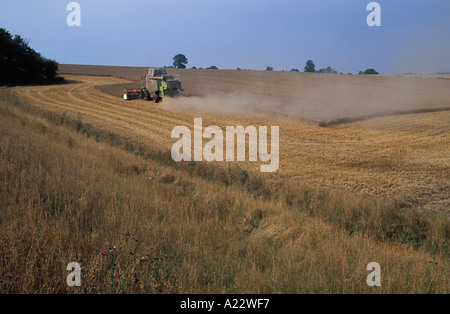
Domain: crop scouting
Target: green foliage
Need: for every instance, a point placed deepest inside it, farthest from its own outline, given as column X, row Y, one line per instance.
column 213, row 67
column 328, row 70
column 180, row 61
column 269, row 68
column 295, row 70
column 310, row 67
column 136, row 270
column 20, row 64
column 370, row 71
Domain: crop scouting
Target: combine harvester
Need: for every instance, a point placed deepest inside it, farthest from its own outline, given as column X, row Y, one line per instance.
column 155, row 86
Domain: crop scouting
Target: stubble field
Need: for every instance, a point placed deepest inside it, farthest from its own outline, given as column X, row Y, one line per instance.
column 398, row 156
column 358, row 182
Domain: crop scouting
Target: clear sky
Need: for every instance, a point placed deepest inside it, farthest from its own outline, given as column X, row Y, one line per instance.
column 414, row 35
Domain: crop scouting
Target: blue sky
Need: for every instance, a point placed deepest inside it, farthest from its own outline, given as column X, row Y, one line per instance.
column 414, row 35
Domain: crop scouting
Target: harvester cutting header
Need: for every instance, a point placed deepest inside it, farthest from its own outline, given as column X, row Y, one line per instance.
column 155, row 86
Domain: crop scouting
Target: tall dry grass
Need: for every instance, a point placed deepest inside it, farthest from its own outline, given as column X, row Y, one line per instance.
column 67, row 197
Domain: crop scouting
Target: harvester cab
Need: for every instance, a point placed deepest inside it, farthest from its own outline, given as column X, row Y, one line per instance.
column 156, row 85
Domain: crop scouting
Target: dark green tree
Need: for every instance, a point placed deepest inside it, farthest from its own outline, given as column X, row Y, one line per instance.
column 370, row 71
column 213, row 67
column 20, row 64
column 310, row 67
column 180, row 61
column 328, row 70
column 269, row 68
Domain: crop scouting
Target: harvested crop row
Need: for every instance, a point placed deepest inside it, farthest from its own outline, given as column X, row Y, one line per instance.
column 398, row 156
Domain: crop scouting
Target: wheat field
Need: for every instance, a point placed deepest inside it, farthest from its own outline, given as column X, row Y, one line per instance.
column 81, row 170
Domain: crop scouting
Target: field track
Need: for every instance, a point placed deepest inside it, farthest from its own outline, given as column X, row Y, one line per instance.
column 401, row 156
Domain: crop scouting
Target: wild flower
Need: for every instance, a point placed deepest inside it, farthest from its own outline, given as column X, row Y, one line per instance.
column 135, row 269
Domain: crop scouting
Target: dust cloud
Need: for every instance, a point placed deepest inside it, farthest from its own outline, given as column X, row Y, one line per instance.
column 322, row 98
column 234, row 103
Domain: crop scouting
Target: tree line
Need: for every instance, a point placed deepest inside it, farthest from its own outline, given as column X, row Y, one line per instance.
column 180, row 61
column 310, row 67
column 21, row 65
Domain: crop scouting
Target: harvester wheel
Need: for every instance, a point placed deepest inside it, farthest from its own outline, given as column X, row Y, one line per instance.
column 146, row 94
column 157, row 98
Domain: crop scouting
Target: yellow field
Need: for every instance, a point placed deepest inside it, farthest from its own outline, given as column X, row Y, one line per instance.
column 80, row 168
column 401, row 156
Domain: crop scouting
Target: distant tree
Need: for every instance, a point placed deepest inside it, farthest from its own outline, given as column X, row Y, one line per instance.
column 180, row 61
column 193, row 68
column 370, row 71
column 238, row 68
column 310, row 67
column 328, row 70
column 295, row 70
column 213, row 67
column 360, row 73
column 269, row 68
column 20, row 64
